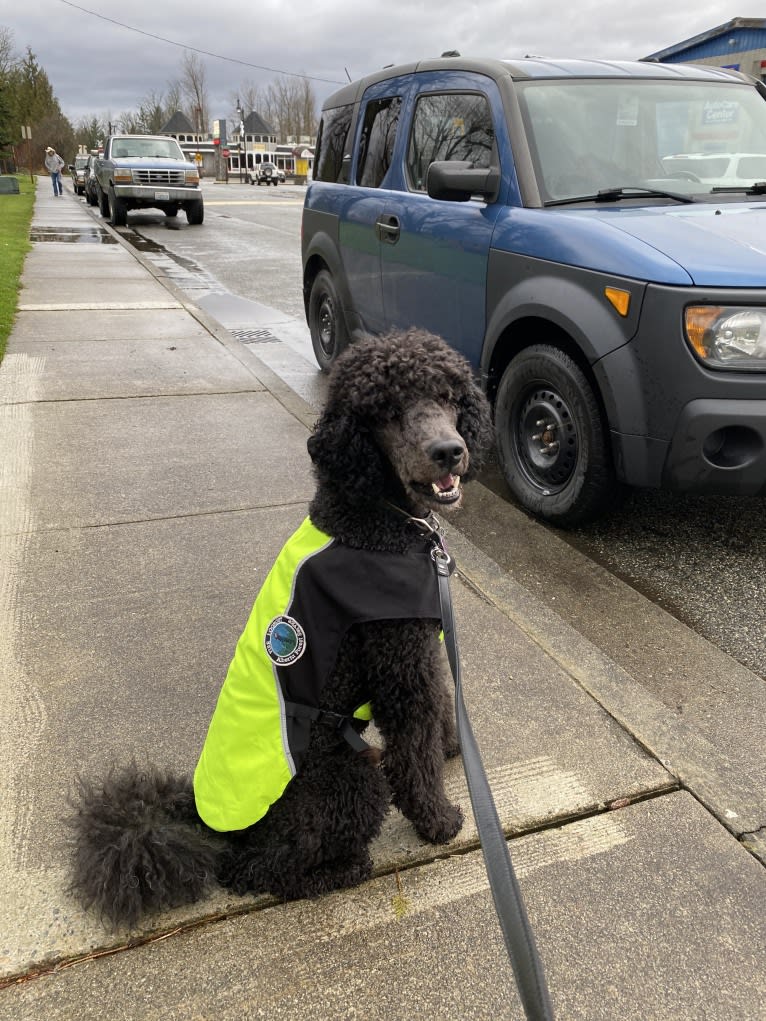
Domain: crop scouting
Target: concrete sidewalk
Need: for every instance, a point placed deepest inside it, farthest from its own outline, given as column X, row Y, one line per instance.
column 151, row 468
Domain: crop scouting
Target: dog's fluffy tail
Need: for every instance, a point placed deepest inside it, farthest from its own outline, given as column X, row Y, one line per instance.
column 139, row 845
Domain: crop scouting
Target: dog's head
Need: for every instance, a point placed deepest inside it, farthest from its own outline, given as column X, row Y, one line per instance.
column 404, row 422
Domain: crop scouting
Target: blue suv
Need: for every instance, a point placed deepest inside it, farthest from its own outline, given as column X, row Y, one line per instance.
column 590, row 235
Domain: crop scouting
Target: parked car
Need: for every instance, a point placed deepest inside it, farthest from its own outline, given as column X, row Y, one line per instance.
column 534, row 214
column 267, row 173
column 77, row 170
column 91, row 183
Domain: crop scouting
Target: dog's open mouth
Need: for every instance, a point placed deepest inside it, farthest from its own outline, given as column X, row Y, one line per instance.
column 443, row 491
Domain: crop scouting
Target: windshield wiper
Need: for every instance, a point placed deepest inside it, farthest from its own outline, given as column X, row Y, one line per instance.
column 628, row 192
column 756, row 188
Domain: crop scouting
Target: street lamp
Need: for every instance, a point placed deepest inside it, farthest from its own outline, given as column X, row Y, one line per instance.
column 241, row 136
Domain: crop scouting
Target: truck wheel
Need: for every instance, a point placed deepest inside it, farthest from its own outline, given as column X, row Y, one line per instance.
column 326, row 323
column 551, row 438
column 118, row 210
column 195, row 212
column 171, row 211
column 103, row 203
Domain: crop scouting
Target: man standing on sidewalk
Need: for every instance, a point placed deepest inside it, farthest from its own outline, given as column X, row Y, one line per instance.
column 53, row 164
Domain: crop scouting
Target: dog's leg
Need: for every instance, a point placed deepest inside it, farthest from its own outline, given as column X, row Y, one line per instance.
column 450, row 742
column 316, row 837
column 403, row 659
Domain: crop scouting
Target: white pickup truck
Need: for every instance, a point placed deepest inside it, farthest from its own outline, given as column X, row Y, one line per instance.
column 147, row 172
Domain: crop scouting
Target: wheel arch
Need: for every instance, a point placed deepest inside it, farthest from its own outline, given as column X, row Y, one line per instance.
column 572, row 313
column 323, row 254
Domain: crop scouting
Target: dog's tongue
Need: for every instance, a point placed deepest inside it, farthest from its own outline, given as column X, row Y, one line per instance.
column 445, row 482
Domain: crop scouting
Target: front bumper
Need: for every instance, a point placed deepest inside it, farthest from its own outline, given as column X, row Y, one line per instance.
column 150, row 195
column 719, row 446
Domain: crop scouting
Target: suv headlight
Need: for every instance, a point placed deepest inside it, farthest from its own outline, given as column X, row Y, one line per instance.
column 727, row 337
column 191, row 176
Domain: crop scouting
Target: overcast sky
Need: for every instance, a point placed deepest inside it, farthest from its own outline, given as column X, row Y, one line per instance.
column 99, row 68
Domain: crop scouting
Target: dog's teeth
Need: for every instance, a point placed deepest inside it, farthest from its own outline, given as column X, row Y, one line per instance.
column 443, row 491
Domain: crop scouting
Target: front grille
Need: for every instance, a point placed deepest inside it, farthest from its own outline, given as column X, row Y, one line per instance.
column 175, row 178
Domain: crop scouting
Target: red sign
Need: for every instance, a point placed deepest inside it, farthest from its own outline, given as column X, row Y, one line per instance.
column 225, row 152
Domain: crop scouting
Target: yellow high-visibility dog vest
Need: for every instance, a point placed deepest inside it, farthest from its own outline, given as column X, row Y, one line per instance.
column 316, row 589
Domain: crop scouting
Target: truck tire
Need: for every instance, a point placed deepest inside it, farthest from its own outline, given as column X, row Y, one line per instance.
column 195, row 212
column 118, row 210
column 326, row 322
column 103, row 203
column 552, row 440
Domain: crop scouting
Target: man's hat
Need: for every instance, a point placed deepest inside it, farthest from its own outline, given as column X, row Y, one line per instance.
column 50, row 149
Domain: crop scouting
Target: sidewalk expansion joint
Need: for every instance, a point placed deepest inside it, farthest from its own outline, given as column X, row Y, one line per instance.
column 266, row 901
column 133, row 397
column 190, row 515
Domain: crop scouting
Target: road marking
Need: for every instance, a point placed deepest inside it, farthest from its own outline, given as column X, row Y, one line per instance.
column 253, row 202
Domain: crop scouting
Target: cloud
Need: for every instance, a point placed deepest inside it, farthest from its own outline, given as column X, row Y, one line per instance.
column 97, row 67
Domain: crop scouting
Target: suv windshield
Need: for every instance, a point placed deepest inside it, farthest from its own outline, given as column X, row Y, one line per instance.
column 679, row 136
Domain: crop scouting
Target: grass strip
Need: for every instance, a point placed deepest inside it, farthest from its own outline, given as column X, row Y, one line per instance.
column 15, row 218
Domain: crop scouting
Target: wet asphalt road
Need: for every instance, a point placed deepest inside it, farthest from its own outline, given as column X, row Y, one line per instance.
column 700, row 559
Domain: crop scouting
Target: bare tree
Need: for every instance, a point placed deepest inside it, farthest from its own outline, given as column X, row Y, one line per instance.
column 248, row 98
column 289, row 105
column 193, row 86
column 7, row 56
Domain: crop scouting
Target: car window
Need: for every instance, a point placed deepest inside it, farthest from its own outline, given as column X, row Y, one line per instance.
column 331, row 144
column 453, row 126
column 588, row 135
column 376, row 142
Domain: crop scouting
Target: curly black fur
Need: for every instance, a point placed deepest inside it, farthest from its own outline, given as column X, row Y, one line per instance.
column 139, row 844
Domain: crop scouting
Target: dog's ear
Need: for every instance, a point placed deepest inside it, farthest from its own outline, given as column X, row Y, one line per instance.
column 345, row 454
column 475, row 424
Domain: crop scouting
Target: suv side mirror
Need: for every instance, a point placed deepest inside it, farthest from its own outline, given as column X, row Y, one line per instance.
column 458, row 180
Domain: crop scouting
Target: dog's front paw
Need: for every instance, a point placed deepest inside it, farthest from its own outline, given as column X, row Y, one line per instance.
column 443, row 828
column 451, row 747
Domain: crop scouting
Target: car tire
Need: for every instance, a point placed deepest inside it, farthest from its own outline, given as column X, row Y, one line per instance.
column 118, row 210
column 552, row 440
column 327, row 325
column 195, row 212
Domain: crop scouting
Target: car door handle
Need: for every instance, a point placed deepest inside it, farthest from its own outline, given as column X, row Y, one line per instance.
column 387, row 229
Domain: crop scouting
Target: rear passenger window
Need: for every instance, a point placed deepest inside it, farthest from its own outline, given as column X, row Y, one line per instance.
column 331, row 144
column 376, row 143
column 453, row 126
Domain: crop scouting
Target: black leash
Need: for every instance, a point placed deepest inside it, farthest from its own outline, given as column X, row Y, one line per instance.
column 509, row 904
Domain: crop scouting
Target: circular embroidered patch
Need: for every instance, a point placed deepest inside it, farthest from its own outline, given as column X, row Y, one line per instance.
column 285, row 640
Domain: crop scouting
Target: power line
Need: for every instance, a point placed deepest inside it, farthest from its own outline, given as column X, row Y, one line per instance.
column 207, row 53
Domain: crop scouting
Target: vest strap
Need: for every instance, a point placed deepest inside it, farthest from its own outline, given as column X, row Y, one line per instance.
column 343, row 724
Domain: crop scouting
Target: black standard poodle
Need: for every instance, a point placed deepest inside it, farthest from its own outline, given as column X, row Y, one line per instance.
column 287, row 795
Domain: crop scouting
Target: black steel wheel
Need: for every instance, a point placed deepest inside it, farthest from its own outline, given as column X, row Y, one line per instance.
column 118, row 210
column 328, row 327
column 195, row 212
column 552, row 441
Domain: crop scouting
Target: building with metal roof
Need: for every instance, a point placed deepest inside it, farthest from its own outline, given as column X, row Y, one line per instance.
column 739, row 44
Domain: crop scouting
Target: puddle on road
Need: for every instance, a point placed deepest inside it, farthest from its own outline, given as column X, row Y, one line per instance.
column 147, row 245
column 73, row 235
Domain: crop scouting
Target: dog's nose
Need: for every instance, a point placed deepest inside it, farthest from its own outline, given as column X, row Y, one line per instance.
column 446, row 453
